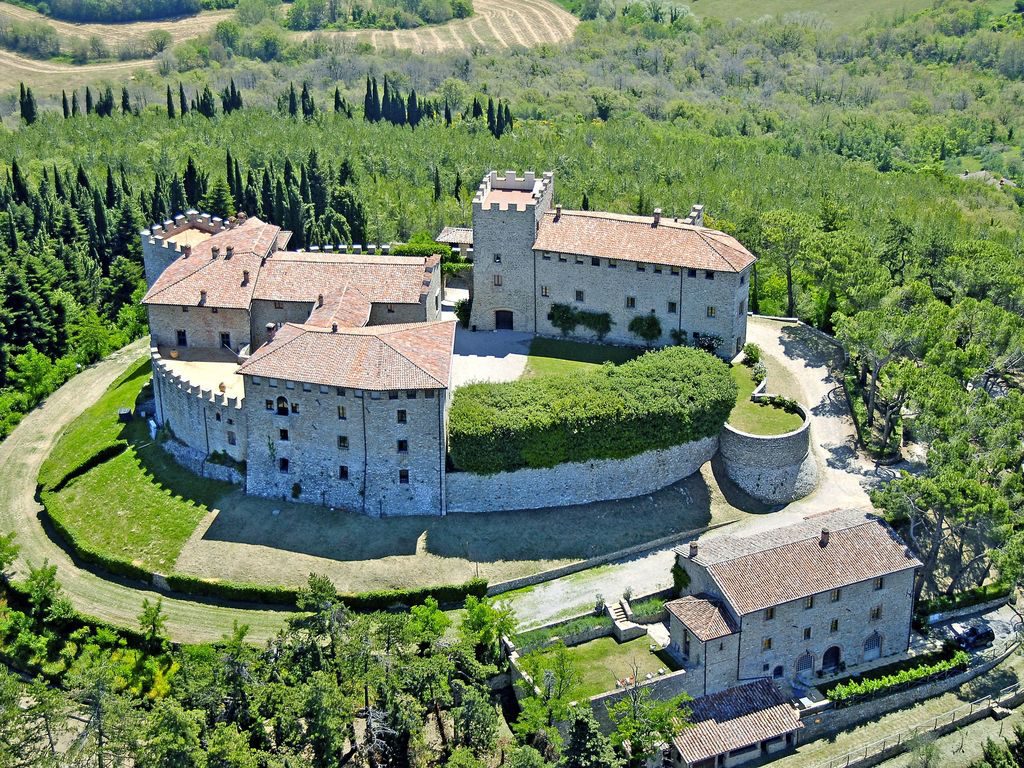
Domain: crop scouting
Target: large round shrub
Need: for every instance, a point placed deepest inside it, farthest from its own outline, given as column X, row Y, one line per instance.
column 658, row 400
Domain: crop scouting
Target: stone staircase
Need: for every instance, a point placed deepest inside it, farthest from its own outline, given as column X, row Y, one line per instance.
column 622, row 627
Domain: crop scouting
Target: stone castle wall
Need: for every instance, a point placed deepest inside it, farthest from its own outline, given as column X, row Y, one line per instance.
column 577, row 483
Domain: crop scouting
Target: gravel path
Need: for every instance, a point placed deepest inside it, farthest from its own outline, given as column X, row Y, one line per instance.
column 20, row 457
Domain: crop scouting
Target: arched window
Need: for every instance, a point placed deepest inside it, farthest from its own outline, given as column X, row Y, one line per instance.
column 831, row 659
column 805, row 665
column 873, row 646
column 282, row 406
column 778, row 672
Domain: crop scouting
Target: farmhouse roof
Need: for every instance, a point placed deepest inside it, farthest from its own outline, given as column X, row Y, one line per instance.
column 734, row 719
column 377, row 358
column 822, row 552
column 703, row 616
column 641, row 239
column 455, row 236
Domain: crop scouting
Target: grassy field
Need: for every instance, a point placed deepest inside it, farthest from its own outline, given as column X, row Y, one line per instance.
column 755, row 418
column 842, row 15
column 603, row 661
column 97, row 427
column 551, row 357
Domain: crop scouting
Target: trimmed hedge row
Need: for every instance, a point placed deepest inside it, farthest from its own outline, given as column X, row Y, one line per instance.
column 577, row 626
column 965, row 599
column 846, row 693
column 101, row 456
column 660, row 399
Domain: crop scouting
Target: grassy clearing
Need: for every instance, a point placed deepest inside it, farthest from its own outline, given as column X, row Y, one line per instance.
column 603, row 661
column 552, row 357
column 756, row 418
column 97, row 427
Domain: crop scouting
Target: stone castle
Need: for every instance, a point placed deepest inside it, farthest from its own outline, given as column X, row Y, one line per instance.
column 324, row 376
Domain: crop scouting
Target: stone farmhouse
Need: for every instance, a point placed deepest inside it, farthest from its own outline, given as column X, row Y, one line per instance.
column 831, row 592
column 324, row 373
column 530, row 255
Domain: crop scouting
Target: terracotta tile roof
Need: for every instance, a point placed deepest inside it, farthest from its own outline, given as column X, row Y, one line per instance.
column 455, row 236
column 703, row 616
column 381, row 279
column 788, row 563
column 347, row 307
column 187, row 277
column 380, row 357
column 735, row 718
column 635, row 238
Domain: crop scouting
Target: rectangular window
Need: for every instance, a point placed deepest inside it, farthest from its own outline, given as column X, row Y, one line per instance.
column 282, row 464
column 545, row 291
column 595, row 262
column 341, row 411
column 343, row 472
column 709, row 275
column 769, row 613
column 613, row 264
column 879, row 582
column 742, row 309
column 323, row 389
column 691, row 272
column 410, row 394
column 401, row 416
column 876, row 613
column 497, row 258
column 295, row 407
column 834, row 626
column 215, row 310
column 657, row 269
column 269, row 404
column 403, row 476
column 340, row 391
column 766, row 644
column 674, row 270
column 343, row 442
column 672, row 307
column 257, row 380
column 231, row 438
column 403, row 446
column 807, row 633
column 579, row 295
column 631, row 302
column 216, row 416
column 184, row 309
column 743, row 279
column 272, row 382
column 392, row 395
column 225, row 340
column 579, row 259
column 306, row 387
column 391, row 309
column 278, row 305
column 711, row 311
column 835, row 595
column 562, row 258
column 428, row 394
column 497, row 281
column 808, row 602
column 641, row 267
column 282, row 435
column 289, row 385
column 546, row 256
column 182, row 338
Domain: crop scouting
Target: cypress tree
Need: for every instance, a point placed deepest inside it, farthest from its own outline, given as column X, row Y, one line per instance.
column 478, row 111
column 239, row 189
column 490, row 116
column 29, row 112
column 170, row 103
column 508, row 117
column 499, row 122
column 375, row 102
column 308, row 105
column 279, row 204
column 457, row 189
column 88, row 101
column 437, row 184
column 229, row 165
column 413, row 110
column 126, row 102
column 194, row 187
column 266, row 195
column 207, row 105
column 585, row 204
column 19, row 186
column 74, row 104
column 447, row 115
column 178, row 199
column 293, row 105
column 111, row 196
column 385, row 102
column 337, row 99
column 182, row 101
column 368, row 102
column 64, row 105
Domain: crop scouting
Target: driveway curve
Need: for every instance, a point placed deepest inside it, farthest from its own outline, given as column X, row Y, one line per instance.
column 21, row 455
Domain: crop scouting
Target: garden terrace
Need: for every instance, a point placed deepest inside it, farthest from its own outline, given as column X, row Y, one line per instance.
column 763, row 417
column 659, row 400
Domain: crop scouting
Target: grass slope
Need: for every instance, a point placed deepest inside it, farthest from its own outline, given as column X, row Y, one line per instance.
column 603, row 661
column 756, row 418
column 553, row 357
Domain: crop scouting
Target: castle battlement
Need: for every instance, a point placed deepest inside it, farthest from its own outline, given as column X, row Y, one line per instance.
column 512, row 192
column 161, row 233
column 164, row 370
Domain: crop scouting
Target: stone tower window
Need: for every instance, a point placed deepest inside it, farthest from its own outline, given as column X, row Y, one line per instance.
column 711, row 311
column 402, row 416
column 282, row 406
column 631, row 302
column 545, row 291
column 341, row 411
column 343, row 472
column 282, row 464
column 808, row 602
column 403, row 476
column 672, row 307
column 403, row 446
column 579, row 295
column 343, row 442
column 497, row 281
column 709, row 275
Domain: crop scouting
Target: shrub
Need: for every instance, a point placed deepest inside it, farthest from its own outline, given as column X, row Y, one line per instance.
column 846, row 693
column 680, row 578
column 652, row 606
column 566, row 631
column 708, row 342
column 752, row 353
column 759, row 373
column 660, row 399
column 566, row 319
column 463, row 307
column 969, row 597
column 419, row 249
column 647, row 328
column 106, row 453
column 678, row 337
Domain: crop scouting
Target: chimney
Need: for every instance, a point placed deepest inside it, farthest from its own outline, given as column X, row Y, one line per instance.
column 334, row 327
column 186, row 251
column 215, row 251
column 824, row 537
column 693, row 549
column 657, row 217
column 202, row 297
column 245, row 277
column 558, row 212
column 697, row 214
column 229, row 252
column 320, row 300
column 270, row 331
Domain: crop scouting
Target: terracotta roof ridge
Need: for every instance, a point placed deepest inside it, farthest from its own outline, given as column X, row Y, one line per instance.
column 267, row 352
column 181, row 279
column 412, row 362
column 702, row 233
column 781, row 545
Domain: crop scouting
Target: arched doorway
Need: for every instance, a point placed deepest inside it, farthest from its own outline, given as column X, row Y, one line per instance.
column 777, row 672
column 873, row 646
column 805, row 665
column 503, row 319
column 831, row 659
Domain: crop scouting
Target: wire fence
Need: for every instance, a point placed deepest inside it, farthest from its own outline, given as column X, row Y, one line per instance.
column 947, row 720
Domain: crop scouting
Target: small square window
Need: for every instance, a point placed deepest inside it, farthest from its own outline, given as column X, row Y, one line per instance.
column 269, row 404
column 545, row 291
column 341, row 412
column 876, row 613
column 807, row 633
column 184, row 309
column 272, row 382
column 282, row 434
column 766, row 644
column 691, row 272
column 278, row 305
column 672, row 307
column 709, row 275
column 343, row 442
column 282, row 464
column 879, row 582
column 257, row 380
column 546, row 256
column 392, row 395
column 343, row 472
column 613, row 264
column 410, row 394
column 214, row 310
column 403, row 446
column 834, row 626
column 562, row 257
column 497, row 258
column 295, row 407
column 579, row 259
column 402, row 416
column 769, row 613
column 835, row 595
column 428, row 394
column 323, row 389
column 641, row 267
column 306, row 387
column 231, row 438
column 340, row 391
column 631, row 302
column 216, row 416
column 674, row 270
column 657, row 269
column 595, row 262
column 289, row 385
column 403, row 476
column 579, row 295
column 711, row 311
column 497, row 281
column 808, row 602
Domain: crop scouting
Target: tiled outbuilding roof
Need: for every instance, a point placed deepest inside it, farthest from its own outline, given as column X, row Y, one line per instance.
column 636, row 238
column 791, row 562
column 456, row 236
column 734, row 719
column 703, row 616
column 378, row 358
column 381, row 279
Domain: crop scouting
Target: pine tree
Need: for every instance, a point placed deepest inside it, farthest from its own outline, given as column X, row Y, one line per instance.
column 586, row 746
column 170, row 104
column 64, row 105
column 182, row 101
column 126, row 102
column 218, row 200
column 88, row 101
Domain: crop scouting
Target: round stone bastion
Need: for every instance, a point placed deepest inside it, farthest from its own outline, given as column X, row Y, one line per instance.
column 775, row 469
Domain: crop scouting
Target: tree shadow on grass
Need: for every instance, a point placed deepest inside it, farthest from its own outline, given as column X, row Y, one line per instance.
column 563, row 533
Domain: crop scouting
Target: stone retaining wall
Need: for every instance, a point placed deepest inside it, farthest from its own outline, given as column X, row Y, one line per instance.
column 197, row 464
column 577, row 482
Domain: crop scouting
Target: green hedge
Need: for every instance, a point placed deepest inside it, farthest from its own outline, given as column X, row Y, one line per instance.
column 658, row 400
column 965, row 599
column 652, row 606
column 847, row 693
column 104, row 454
column 536, row 637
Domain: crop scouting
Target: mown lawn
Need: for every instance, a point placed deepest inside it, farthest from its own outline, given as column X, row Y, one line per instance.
column 755, row 418
column 551, row 357
column 603, row 661
column 97, row 427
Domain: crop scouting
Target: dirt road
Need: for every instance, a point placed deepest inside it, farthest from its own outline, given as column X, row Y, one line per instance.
column 20, row 457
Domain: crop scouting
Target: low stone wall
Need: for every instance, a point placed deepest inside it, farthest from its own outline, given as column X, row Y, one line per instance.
column 776, row 469
column 577, row 482
column 662, row 688
column 968, row 610
column 196, row 463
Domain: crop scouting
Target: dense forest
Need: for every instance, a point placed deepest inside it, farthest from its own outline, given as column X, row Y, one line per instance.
column 378, row 14
column 116, row 10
